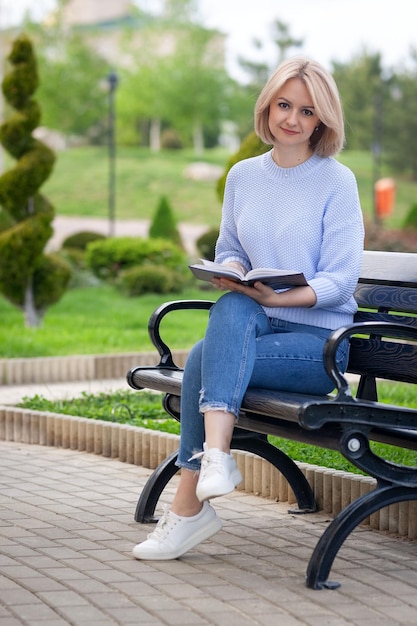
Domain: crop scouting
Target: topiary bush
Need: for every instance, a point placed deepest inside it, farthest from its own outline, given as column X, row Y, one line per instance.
column 29, row 278
column 163, row 225
column 143, row 279
column 109, row 257
column 206, row 244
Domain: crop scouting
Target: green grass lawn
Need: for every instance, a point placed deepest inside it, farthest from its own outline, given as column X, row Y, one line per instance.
column 99, row 320
column 79, row 184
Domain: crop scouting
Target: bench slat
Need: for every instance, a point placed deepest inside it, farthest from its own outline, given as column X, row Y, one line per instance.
column 383, row 359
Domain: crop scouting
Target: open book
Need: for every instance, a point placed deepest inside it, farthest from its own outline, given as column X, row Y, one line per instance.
column 277, row 279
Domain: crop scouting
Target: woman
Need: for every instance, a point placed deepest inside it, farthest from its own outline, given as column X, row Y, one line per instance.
column 294, row 207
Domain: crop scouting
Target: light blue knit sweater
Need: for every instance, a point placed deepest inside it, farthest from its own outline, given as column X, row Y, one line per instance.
column 305, row 218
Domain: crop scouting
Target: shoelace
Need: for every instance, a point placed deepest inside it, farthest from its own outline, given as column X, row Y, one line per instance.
column 164, row 526
column 211, row 458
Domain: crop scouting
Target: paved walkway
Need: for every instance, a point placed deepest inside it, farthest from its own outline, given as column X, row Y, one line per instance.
column 13, row 394
column 67, row 530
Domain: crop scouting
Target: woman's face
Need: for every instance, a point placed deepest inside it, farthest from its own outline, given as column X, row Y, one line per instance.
column 292, row 117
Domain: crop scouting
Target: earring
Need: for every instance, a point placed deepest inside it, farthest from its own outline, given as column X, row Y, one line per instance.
column 316, row 129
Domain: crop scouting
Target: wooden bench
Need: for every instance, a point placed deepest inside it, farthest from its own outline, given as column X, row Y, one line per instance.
column 382, row 346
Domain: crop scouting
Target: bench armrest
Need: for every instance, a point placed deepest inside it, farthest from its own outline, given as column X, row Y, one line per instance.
column 382, row 329
column 155, row 321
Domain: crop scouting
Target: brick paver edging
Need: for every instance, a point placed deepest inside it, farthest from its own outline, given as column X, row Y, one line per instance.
column 85, row 367
column 139, row 446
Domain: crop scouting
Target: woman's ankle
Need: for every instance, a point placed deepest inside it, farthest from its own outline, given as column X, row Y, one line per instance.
column 187, row 510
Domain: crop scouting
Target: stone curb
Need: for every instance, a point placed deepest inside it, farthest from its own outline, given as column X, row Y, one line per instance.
column 139, row 446
column 77, row 368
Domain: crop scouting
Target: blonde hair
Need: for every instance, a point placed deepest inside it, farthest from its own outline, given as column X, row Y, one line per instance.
column 329, row 138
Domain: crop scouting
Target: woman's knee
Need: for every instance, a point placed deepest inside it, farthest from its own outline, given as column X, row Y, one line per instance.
column 232, row 304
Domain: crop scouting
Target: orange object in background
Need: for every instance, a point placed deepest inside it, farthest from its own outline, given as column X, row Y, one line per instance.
column 384, row 189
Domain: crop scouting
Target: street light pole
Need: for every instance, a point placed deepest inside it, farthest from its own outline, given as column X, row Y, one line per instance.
column 112, row 80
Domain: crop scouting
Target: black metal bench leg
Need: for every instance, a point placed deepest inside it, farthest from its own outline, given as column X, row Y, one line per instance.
column 161, row 476
column 343, row 524
column 155, row 485
column 296, row 479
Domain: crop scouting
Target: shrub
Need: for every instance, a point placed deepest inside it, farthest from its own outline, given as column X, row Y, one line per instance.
column 107, row 258
column 163, row 224
column 389, row 240
column 170, row 140
column 206, row 244
column 411, row 217
column 81, row 240
column 143, row 279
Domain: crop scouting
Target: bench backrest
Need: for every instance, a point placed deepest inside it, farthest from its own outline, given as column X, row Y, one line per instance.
column 387, row 291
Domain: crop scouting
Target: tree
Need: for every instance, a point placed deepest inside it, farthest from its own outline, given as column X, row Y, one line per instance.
column 163, row 225
column 359, row 83
column 29, row 279
column 179, row 81
column 259, row 72
column 399, row 119
column 196, row 91
column 71, row 90
column 283, row 39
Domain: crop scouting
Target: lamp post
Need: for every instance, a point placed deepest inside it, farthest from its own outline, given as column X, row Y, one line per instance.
column 112, row 79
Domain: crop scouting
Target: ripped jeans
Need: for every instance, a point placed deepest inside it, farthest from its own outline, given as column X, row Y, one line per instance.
column 244, row 348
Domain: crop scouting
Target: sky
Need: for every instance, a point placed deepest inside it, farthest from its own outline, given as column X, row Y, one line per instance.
column 331, row 29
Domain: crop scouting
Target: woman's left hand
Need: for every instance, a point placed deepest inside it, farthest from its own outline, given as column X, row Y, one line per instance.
column 262, row 294
column 266, row 296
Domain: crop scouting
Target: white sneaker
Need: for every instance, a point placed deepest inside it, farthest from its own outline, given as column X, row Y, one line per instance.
column 219, row 474
column 174, row 535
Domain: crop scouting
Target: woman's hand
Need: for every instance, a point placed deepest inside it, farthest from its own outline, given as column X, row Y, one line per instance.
column 266, row 296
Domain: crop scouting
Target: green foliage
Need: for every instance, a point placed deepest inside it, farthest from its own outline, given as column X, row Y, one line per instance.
column 50, row 280
column 123, row 407
column 143, row 279
column 82, row 239
column 251, row 146
column 359, row 82
column 108, row 257
column 411, row 218
column 191, row 91
column 163, row 225
column 27, row 215
column 72, row 89
column 399, row 94
column 144, row 409
column 206, row 244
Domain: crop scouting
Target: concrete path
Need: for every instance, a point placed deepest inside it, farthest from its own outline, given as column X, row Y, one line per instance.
column 67, row 530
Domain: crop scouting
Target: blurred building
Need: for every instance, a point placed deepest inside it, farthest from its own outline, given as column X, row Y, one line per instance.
column 95, row 11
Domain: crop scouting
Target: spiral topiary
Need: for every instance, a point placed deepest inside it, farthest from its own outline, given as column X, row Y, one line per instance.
column 29, row 279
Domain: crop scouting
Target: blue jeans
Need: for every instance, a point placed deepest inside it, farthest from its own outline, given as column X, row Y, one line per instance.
column 244, row 348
